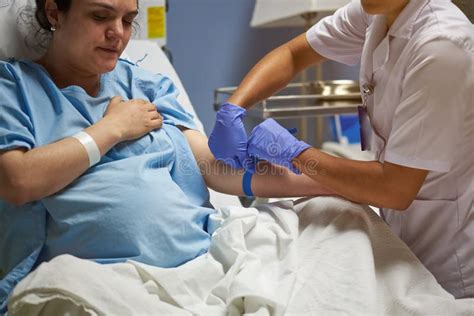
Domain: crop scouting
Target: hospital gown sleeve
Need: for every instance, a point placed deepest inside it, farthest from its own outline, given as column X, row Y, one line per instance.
column 162, row 92
column 22, row 228
column 427, row 124
column 16, row 128
column 341, row 37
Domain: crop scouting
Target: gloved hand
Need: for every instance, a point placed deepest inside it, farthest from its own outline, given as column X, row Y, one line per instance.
column 228, row 140
column 272, row 142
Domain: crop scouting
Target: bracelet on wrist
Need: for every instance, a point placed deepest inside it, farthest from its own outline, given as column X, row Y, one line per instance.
column 90, row 146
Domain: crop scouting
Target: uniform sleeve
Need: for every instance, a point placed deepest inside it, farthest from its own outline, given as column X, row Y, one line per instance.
column 161, row 91
column 16, row 128
column 426, row 126
column 341, row 37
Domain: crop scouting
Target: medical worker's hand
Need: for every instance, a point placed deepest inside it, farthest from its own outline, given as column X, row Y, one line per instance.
column 228, row 140
column 133, row 118
column 274, row 143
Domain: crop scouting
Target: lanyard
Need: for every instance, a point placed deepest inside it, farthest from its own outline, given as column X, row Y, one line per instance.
column 365, row 120
column 367, row 90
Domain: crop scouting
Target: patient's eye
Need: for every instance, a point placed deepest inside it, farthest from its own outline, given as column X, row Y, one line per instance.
column 129, row 18
column 100, row 16
column 128, row 21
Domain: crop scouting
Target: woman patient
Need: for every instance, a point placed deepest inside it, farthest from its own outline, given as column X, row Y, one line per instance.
column 146, row 199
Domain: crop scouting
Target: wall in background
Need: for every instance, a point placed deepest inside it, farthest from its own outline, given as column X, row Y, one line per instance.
column 213, row 46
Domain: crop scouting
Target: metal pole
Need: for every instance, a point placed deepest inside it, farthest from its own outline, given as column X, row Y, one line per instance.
column 310, row 20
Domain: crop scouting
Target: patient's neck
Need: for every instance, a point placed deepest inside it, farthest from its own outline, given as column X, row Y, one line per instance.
column 65, row 74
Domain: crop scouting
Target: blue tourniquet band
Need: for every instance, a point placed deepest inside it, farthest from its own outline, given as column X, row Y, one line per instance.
column 247, row 183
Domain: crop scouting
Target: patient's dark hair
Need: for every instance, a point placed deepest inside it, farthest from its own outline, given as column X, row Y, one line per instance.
column 41, row 16
column 36, row 19
column 63, row 6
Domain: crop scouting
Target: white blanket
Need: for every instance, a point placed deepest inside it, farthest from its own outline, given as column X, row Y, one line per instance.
column 333, row 258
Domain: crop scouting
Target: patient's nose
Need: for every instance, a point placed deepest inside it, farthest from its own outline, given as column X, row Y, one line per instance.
column 115, row 30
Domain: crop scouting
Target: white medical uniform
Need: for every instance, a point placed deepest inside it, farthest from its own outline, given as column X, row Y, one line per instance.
column 422, row 109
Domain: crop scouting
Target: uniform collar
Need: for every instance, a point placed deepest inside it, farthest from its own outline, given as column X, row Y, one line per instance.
column 377, row 44
column 376, row 47
column 403, row 24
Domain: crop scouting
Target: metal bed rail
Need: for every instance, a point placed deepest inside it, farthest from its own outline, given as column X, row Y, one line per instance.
column 297, row 100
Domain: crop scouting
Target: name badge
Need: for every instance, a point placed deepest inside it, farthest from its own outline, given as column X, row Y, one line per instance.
column 365, row 128
column 364, row 120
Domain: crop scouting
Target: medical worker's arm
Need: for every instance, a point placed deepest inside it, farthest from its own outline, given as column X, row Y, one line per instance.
column 379, row 184
column 29, row 175
column 228, row 139
column 385, row 185
column 339, row 37
column 425, row 132
column 275, row 71
column 269, row 181
column 374, row 183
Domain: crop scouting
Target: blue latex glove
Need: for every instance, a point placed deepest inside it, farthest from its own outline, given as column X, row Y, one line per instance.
column 228, row 140
column 272, row 142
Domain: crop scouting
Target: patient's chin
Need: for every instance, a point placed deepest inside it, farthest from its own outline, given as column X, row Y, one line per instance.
column 105, row 62
column 106, row 66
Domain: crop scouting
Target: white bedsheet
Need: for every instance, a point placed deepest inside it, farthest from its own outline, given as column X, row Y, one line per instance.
column 334, row 258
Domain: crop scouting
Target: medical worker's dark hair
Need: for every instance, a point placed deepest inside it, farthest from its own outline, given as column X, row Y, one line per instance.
column 42, row 17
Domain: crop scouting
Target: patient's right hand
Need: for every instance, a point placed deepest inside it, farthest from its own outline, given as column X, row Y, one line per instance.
column 133, row 118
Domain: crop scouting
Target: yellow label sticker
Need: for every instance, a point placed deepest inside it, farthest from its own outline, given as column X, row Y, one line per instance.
column 156, row 22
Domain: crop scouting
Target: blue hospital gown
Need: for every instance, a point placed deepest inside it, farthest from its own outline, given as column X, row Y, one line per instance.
column 145, row 200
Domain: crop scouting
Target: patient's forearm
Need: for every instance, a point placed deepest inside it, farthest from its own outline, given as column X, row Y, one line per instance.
column 31, row 175
column 276, row 181
column 269, row 181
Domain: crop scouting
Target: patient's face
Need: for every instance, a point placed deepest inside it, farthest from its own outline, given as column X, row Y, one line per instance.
column 94, row 33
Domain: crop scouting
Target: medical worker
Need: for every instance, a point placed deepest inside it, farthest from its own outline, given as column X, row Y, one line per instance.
column 416, row 79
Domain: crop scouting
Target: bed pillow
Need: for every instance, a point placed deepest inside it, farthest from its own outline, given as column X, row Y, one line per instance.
column 16, row 23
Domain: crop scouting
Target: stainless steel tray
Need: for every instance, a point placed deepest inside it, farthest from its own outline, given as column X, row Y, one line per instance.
column 315, row 98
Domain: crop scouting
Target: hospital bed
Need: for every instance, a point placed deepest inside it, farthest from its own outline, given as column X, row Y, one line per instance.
column 320, row 256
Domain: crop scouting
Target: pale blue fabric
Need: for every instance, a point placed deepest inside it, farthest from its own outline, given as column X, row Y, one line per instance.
column 145, row 200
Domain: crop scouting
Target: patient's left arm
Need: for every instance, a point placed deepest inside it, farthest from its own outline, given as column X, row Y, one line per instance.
column 268, row 181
